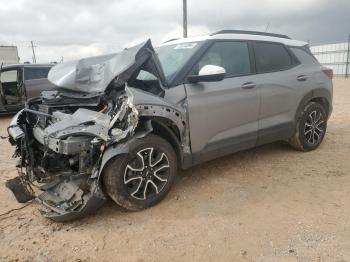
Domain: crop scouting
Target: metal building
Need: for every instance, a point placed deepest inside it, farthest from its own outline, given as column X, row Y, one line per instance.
column 334, row 56
column 9, row 55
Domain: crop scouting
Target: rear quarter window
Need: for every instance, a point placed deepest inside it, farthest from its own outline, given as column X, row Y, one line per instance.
column 271, row 57
column 36, row 73
column 304, row 57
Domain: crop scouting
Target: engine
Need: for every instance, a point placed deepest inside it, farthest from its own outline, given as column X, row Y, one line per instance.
column 61, row 140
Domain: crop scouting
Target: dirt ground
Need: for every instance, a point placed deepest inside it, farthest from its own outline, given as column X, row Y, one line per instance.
column 266, row 204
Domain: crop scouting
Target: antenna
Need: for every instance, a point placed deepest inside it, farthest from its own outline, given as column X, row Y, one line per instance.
column 267, row 26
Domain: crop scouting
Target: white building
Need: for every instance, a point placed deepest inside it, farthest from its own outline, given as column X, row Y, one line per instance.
column 9, row 55
column 335, row 56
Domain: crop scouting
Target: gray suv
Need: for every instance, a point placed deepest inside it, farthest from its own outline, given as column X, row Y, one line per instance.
column 120, row 125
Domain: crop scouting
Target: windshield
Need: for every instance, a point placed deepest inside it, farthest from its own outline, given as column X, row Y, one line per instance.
column 172, row 59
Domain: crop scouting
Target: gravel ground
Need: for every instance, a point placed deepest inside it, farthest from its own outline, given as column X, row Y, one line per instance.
column 266, row 204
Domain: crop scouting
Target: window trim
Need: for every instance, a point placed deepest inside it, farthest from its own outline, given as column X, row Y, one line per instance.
column 212, row 42
column 181, row 77
column 306, row 50
column 294, row 61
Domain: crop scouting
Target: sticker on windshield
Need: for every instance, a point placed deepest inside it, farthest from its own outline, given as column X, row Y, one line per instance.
column 185, row 46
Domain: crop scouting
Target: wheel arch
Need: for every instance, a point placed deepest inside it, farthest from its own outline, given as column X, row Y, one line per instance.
column 319, row 95
column 323, row 101
column 160, row 126
column 167, row 129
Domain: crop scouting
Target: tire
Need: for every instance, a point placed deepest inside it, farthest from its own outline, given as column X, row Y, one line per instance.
column 310, row 129
column 134, row 181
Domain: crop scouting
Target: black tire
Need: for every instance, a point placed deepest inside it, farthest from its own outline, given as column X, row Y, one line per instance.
column 311, row 128
column 120, row 180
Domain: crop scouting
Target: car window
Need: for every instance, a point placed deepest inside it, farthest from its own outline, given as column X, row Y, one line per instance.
column 172, row 58
column 233, row 56
column 9, row 76
column 271, row 57
column 36, row 73
column 304, row 57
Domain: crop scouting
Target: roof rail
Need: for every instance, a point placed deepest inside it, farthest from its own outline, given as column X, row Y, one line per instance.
column 249, row 33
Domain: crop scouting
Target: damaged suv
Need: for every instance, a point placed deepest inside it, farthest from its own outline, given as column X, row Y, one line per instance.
column 120, row 125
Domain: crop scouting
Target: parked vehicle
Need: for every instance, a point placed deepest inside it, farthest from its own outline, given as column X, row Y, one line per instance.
column 20, row 82
column 122, row 124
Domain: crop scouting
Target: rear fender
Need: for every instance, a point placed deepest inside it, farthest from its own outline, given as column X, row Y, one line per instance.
column 316, row 93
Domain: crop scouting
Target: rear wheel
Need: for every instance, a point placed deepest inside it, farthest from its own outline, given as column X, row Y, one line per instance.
column 144, row 176
column 311, row 128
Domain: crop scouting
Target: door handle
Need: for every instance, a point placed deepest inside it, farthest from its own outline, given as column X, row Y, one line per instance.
column 302, row 78
column 248, row 85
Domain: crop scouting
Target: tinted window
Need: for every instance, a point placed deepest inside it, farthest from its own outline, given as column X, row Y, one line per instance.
column 233, row 56
column 271, row 57
column 9, row 76
column 304, row 57
column 36, row 73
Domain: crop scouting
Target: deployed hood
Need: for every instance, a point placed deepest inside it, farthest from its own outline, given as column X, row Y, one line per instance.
column 94, row 74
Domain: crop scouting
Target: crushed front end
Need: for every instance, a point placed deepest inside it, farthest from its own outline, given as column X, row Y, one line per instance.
column 60, row 140
column 65, row 137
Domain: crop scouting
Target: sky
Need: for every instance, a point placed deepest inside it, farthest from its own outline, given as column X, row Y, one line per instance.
column 72, row 29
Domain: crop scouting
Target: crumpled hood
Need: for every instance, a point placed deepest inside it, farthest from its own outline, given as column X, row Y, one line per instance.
column 94, row 74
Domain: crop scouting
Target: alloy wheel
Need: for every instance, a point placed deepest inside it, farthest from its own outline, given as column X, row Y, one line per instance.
column 147, row 174
column 314, row 127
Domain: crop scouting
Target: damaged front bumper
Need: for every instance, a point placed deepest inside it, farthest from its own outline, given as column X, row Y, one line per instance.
column 67, row 200
column 60, row 153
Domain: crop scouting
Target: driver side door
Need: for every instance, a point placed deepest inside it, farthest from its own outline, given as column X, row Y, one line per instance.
column 223, row 116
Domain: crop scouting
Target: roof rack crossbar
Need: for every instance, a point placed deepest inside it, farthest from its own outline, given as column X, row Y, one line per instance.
column 249, row 33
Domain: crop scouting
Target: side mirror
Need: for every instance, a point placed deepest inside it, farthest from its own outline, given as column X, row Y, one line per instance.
column 208, row 73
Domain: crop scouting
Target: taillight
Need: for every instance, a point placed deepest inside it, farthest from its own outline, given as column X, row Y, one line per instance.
column 328, row 72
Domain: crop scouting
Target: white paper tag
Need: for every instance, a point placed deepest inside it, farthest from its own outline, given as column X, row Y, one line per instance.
column 185, row 46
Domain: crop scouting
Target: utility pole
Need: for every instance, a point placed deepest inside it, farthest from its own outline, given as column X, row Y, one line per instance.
column 33, row 50
column 184, row 18
column 347, row 60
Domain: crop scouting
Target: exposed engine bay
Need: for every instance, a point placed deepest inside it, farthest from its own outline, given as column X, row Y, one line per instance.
column 61, row 137
column 62, row 147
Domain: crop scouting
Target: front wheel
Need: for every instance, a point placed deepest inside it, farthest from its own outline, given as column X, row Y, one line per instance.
column 144, row 176
column 311, row 128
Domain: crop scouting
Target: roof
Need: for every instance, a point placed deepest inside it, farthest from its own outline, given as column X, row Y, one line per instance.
column 27, row 65
column 240, row 35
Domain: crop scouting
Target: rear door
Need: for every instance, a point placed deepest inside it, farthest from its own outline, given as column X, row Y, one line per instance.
column 280, row 88
column 223, row 116
column 36, row 80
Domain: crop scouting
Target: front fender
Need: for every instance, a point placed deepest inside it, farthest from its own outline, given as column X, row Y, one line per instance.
column 117, row 149
column 14, row 130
